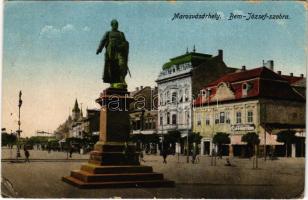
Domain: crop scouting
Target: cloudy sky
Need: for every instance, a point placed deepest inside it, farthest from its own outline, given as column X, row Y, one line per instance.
column 49, row 48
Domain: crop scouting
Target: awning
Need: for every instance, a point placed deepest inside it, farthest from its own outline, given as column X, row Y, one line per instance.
column 270, row 140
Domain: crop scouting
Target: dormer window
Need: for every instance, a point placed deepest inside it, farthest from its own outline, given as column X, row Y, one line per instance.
column 244, row 89
column 244, row 86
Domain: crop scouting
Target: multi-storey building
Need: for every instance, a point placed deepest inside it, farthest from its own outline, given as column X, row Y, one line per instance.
column 143, row 117
column 179, row 82
column 257, row 100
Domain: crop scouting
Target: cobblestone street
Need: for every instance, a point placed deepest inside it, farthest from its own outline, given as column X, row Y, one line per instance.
column 283, row 178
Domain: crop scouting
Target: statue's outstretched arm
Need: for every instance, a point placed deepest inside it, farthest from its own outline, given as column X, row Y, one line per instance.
column 102, row 43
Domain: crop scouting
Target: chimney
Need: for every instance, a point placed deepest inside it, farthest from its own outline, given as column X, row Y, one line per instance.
column 302, row 75
column 141, row 87
column 269, row 64
column 220, row 54
column 279, row 72
column 137, row 88
column 291, row 74
column 243, row 68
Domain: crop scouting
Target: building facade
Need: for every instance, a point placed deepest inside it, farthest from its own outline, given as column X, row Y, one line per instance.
column 179, row 83
column 143, row 118
column 257, row 100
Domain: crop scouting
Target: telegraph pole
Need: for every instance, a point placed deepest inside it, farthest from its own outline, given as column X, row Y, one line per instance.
column 18, row 131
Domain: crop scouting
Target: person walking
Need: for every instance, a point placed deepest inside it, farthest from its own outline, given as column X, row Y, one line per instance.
column 165, row 154
column 71, row 150
column 27, row 155
column 141, row 156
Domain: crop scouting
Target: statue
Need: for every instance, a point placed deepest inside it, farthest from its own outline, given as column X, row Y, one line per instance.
column 116, row 57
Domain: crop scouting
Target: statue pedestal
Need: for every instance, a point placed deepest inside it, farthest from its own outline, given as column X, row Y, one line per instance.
column 114, row 162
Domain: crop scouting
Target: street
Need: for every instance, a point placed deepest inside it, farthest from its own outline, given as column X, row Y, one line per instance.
column 282, row 178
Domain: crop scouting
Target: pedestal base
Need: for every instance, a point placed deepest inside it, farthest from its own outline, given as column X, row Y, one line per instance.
column 115, row 165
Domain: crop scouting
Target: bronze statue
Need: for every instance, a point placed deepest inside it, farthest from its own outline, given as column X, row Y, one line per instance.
column 116, row 56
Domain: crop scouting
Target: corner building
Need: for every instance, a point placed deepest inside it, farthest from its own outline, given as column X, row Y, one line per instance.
column 257, row 100
column 179, row 83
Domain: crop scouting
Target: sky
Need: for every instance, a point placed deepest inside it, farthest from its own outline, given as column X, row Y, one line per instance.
column 49, row 48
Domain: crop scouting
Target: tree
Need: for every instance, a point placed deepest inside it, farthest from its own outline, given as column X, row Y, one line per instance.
column 287, row 137
column 220, row 139
column 8, row 139
column 252, row 139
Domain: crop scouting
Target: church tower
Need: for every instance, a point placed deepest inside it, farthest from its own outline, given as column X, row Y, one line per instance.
column 76, row 112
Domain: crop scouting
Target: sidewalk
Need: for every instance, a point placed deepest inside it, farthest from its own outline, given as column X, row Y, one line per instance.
column 10, row 154
column 283, row 178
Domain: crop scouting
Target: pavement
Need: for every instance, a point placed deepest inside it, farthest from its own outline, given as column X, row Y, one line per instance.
column 282, row 178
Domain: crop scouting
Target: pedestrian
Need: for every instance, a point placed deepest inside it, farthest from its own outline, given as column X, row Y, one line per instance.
column 164, row 154
column 71, row 151
column 27, row 154
column 228, row 163
column 141, row 156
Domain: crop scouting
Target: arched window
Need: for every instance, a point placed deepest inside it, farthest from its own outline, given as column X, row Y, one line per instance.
column 174, row 119
column 174, row 97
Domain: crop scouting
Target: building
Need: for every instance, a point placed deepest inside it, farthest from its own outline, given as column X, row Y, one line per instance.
column 72, row 125
column 179, row 83
column 257, row 100
column 143, row 118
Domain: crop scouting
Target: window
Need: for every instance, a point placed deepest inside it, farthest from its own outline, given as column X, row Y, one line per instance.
column 199, row 119
column 138, row 123
column 222, row 117
column 244, row 86
column 250, row 116
column 174, row 97
column 174, row 119
column 161, row 120
column 207, row 120
column 167, row 97
column 294, row 116
column 153, row 124
column 187, row 117
column 227, row 117
column 168, row 118
column 145, row 124
column 181, row 96
column 161, row 99
column 238, row 117
column 186, row 95
column 216, row 118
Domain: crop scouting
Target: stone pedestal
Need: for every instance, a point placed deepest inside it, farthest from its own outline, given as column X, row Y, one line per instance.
column 114, row 161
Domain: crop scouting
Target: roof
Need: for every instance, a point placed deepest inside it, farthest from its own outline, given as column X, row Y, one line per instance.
column 188, row 57
column 76, row 108
column 246, row 75
column 292, row 79
column 261, row 83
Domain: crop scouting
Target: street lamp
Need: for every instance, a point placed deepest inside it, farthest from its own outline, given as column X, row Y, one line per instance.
column 187, row 141
column 18, row 131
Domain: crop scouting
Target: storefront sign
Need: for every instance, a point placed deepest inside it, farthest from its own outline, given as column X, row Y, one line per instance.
column 243, row 127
